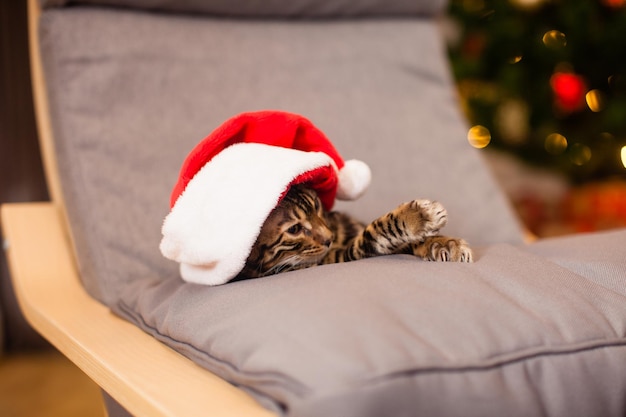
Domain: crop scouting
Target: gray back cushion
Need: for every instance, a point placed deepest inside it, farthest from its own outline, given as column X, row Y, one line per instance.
column 275, row 8
column 131, row 99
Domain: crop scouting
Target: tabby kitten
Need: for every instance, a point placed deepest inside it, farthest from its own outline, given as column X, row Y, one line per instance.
column 299, row 234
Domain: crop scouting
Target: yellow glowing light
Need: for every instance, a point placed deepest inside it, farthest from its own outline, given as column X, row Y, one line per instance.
column 527, row 4
column 579, row 154
column 624, row 156
column 595, row 100
column 479, row 136
column 555, row 143
column 554, row 39
column 515, row 59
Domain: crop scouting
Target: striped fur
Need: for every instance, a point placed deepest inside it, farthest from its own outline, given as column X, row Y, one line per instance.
column 299, row 234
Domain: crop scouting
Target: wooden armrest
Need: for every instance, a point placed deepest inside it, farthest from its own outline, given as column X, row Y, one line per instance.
column 143, row 375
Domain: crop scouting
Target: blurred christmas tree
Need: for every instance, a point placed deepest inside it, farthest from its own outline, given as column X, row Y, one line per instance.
column 545, row 80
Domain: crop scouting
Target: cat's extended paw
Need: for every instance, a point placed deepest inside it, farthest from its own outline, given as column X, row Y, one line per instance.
column 444, row 249
column 427, row 217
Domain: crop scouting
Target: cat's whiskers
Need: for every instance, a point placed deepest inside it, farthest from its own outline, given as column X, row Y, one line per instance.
column 281, row 267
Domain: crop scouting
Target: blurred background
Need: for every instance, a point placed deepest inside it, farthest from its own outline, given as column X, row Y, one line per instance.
column 543, row 86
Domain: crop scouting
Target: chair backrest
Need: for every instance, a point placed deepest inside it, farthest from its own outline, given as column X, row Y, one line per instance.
column 131, row 92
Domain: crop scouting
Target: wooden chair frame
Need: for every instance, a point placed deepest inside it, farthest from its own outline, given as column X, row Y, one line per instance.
column 144, row 376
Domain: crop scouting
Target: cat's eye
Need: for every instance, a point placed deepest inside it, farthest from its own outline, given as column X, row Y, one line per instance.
column 294, row 229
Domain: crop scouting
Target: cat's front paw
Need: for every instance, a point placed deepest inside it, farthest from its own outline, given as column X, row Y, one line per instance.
column 444, row 249
column 428, row 217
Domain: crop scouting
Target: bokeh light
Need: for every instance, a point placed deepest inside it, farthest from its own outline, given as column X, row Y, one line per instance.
column 595, row 100
column 479, row 136
column 511, row 121
column 554, row 39
column 555, row 143
column 579, row 154
column 624, row 156
column 569, row 91
column 527, row 4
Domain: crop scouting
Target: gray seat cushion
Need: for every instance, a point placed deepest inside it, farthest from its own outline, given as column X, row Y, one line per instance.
column 534, row 330
column 527, row 330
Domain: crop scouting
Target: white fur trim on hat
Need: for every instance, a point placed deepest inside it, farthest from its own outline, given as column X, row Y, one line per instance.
column 216, row 220
column 354, row 178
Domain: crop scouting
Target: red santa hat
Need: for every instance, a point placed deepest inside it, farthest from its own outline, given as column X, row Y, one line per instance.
column 235, row 177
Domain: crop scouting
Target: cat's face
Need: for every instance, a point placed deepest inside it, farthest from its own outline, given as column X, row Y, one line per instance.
column 294, row 235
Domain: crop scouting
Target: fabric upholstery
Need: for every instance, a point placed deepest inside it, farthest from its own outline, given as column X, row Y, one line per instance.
column 525, row 330
column 276, row 8
column 129, row 101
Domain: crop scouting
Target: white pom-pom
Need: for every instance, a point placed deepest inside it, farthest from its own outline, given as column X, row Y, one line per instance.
column 354, row 178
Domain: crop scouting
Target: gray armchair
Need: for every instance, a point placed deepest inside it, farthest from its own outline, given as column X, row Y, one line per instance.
column 132, row 86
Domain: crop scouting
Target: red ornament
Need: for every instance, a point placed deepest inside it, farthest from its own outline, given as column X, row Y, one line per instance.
column 569, row 91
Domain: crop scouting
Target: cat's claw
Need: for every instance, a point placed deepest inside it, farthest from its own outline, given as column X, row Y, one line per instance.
column 447, row 249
